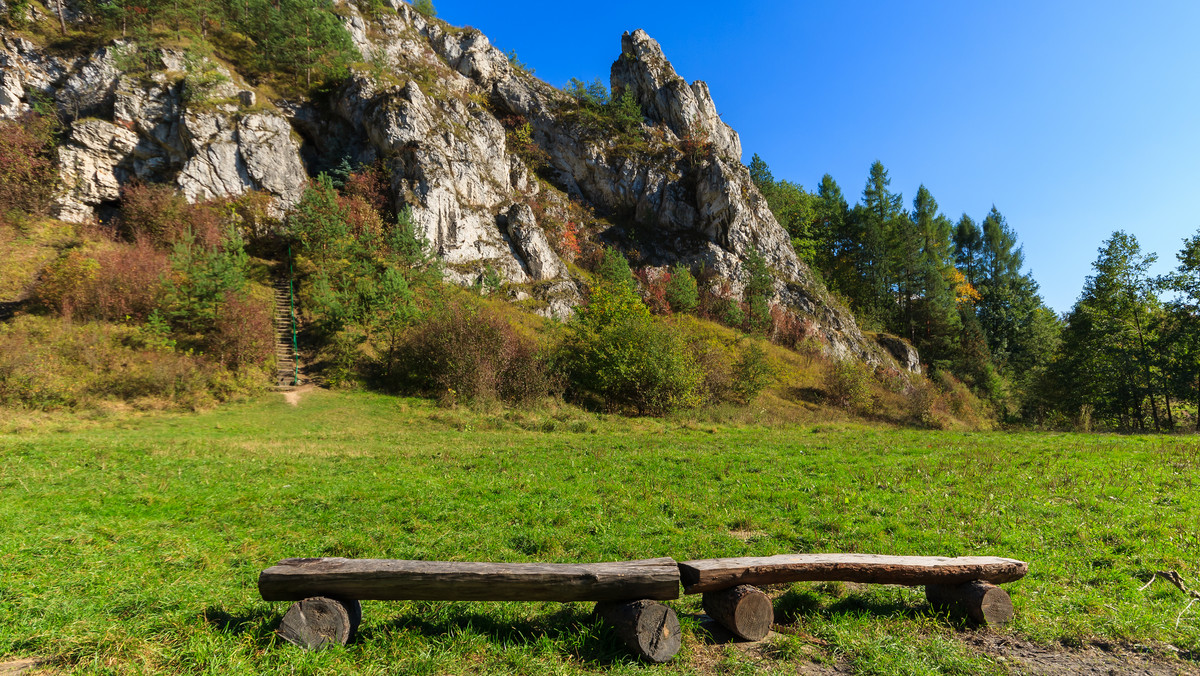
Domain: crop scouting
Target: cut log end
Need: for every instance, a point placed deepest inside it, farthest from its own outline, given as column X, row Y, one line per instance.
column 319, row 622
column 983, row 602
column 649, row 629
column 743, row 610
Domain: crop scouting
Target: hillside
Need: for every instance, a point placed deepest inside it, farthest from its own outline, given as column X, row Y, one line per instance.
column 501, row 170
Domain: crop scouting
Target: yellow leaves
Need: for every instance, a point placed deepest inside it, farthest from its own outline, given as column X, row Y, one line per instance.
column 963, row 291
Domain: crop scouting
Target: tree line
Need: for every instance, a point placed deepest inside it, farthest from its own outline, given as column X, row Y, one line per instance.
column 290, row 44
column 1122, row 358
column 954, row 289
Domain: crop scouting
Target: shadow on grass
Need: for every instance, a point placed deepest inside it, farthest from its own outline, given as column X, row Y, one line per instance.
column 830, row 599
column 571, row 631
column 257, row 623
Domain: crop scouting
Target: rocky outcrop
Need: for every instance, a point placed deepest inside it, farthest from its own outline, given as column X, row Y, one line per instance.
column 665, row 97
column 25, row 70
column 89, row 165
column 486, row 157
column 901, row 350
column 122, row 127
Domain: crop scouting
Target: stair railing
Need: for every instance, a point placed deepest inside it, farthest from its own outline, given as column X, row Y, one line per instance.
column 292, row 304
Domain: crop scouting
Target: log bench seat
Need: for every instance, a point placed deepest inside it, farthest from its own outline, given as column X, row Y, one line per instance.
column 327, row 591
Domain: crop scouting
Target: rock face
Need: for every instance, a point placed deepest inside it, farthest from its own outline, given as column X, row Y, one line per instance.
column 125, row 126
column 665, row 97
column 494, row 164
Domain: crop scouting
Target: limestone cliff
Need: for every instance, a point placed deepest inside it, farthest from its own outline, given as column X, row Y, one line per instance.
column 492, row 161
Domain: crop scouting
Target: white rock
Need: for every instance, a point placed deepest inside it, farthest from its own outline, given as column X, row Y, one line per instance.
column 88, row 167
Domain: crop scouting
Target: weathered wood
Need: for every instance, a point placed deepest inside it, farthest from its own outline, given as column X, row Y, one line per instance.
column 395, row 580
column 743, row 610
column 713, row 574
column 318, row 622
column 981, row 601
column 649, row 629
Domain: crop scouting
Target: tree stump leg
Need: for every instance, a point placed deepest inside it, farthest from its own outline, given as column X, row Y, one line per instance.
column 318, row 622
column 649, row 629
column 743, row 610
column 983, row 602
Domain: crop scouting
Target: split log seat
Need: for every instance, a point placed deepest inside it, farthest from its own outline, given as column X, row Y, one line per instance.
column 628, row 592
column 965, row 583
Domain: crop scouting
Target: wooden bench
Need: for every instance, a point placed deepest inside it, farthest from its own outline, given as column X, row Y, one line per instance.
column 328, row 591
column 966, row 583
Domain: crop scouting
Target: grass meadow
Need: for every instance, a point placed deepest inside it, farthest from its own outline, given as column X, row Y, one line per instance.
column 131, row 543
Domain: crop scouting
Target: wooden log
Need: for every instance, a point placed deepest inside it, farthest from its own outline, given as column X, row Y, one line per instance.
column 713, row 574
column 649, row 629
column 395, row 580
column 983, row 602
column 743, row 610
column 319, row 622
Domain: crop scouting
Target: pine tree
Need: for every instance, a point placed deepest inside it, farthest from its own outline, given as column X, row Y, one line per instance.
column 968, row 249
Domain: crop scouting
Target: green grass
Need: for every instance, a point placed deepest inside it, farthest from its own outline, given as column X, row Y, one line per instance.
column 132, row 543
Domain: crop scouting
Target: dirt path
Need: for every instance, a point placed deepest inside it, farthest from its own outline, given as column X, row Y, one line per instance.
column 19, row 666
column 293, row 396
column 1024, row 657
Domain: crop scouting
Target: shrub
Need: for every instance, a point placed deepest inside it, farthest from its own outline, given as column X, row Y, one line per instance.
column 751, row 374
column 372, row 183
column 243, row 335
column 128, row 285
column 519, row 141
column 617, row 353
column 47, row 363
column 425, row 7
column 681, row 290
column 634, row 363
column 654, row 289
column 27, row 174
column 848, row 385
column 63, row 285
column 161, row 215
column 789, row 329
column 469, row 352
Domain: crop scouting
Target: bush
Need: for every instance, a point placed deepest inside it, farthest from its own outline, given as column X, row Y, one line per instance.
column 848, row 385
column 128, row 284
column 681, row 291
column 634, row 363
column 425, row 7
column 617, row 353
column 752, row 373
column 161, row 215
column 47, row 364
column 63, row 286
column 27, row 174
column 654, row 290
column 470, row 353
column 243, row 334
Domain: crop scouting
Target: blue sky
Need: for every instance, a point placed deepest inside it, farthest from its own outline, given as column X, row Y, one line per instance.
column 1074, row 118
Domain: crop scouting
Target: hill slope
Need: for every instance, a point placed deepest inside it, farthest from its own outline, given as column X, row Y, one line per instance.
column 502, row 171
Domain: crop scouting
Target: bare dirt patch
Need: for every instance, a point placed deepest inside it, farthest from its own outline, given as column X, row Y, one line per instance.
column 21, row 666
column 1025, row 657
column 293, row 396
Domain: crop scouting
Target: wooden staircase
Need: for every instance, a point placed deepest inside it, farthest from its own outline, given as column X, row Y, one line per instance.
column 287, row 362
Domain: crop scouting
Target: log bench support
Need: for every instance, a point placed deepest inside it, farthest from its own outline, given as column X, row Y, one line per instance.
column 319, row 622
column 744, row 610
column 648, row 628
column 983, row 602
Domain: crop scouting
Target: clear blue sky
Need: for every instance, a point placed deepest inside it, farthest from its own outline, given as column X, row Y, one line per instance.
column 1074, row 118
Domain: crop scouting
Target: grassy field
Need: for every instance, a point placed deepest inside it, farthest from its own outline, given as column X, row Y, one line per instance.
column 132, row 543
